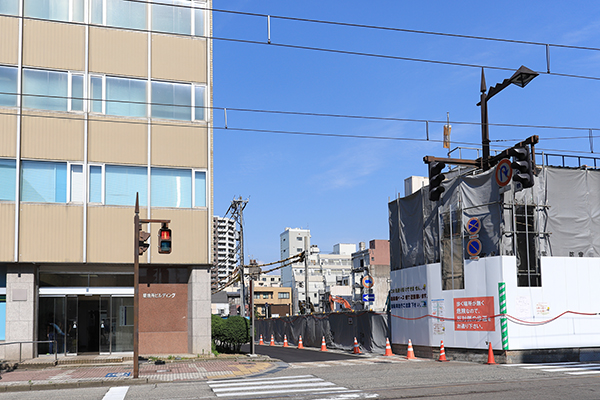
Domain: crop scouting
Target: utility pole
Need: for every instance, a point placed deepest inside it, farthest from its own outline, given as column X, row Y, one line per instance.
column 306, row 253
column 237, row 214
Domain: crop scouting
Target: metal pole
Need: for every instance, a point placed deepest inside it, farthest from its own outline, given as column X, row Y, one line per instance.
column 306, row 293
column 252, row 314
column 242, row 279
column 136, row 298
column 485, row 133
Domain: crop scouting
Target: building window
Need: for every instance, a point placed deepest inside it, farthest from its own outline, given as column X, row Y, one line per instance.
column 8, row 85
column 55, row 10
column 298, row 238
column 52, row 90
column 75, row 184
column 199, row 189
column 171, row 187
column 8, row 170
column 283, row 295
column 176, row 101
column 529, row 273
column 265, row 295
column 9, row 7
column 118, row 96
column 123, row 182
column 43, row 181
column 452, row 251
column 178, row 16
column 96, row 184
column 119, row 13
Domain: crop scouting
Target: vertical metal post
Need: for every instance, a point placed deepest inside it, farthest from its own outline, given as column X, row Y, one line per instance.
column 485, row 133
column 242, row 279
column 21, row 349
column 136, row 297
column 306, row 292
column 527, row 243
column 251, row 283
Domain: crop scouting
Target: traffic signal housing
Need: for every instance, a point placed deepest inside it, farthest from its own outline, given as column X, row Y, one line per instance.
column 436, row 177
column 142, row 245
column 522, row 166
column 164, row 240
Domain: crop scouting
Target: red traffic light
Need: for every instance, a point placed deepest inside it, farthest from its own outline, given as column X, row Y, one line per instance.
column 164, row 240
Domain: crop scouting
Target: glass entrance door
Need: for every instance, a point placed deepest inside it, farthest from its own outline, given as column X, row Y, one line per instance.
column 88, row 327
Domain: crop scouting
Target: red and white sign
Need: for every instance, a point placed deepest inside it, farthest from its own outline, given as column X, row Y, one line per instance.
column 474, row 314
column 503, row 172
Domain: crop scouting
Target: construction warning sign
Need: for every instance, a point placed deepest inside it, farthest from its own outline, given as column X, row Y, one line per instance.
column 474, row 314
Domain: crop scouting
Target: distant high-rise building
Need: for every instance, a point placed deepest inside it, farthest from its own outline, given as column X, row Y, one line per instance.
column 225, row 256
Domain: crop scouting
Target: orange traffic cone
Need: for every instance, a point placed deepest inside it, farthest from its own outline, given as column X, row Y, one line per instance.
column 410, row 354
column 272, row 341
column 300, row 345
column 285, row 343
column 491, row 355
column 323, row 345
column 388, row 348
column 260, row 341
column 356, row 348
column 442, row 353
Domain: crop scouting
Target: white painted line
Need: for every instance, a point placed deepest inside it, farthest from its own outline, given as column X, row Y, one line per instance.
column 552, row 366
column 538, row 364
column 320, row 390
column 578, row 368
column 585, row 372
column 246, row 388
column 260, row 379
column 116, row 393
column 255, row 382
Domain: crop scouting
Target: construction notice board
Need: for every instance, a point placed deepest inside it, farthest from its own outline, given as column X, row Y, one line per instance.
column 474, row 314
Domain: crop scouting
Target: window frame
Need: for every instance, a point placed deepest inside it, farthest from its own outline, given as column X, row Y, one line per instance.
column 194, row 171
column 193, row 6
column 24, row 162
column 193, row 100
column 70, row 91
column 70, row 182
column 70, row 13
column 102, row 182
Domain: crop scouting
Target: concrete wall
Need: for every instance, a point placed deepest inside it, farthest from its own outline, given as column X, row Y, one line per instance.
column 21, row 306
column 199, row 316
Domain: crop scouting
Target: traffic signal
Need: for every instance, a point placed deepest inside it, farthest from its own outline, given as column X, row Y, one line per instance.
column 164, row 240
column 142, row 245
column 435, row 180
column 522, row 166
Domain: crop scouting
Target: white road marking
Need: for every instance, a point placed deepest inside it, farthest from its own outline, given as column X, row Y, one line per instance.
column 116, row 393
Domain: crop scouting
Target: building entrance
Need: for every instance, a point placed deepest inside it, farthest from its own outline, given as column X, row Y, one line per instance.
column 83, row 324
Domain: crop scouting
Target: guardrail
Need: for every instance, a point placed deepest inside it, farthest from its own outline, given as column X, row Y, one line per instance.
column 33, row 342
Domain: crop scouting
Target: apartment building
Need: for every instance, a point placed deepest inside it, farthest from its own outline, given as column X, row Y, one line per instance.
column 225, row 250
column 100, row 100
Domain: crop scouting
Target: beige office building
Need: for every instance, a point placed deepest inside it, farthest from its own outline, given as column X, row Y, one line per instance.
column 100, row 100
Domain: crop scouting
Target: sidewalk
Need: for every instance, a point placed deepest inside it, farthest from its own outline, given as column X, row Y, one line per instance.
column 41, row 374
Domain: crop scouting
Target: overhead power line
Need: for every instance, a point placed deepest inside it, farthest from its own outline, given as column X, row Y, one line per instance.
column 317, row 134
column 355, row 53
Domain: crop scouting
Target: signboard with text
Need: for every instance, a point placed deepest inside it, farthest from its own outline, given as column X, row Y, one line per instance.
column 474, row 313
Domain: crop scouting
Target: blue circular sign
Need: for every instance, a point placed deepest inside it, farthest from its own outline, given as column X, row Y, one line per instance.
column 474, row 247
column 474, row 226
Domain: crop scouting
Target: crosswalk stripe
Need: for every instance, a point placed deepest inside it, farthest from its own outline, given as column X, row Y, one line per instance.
column 224, row 384
column 319, row 390
column 308, row 384
column 570, row 368
column 116, row 393
column 259, row 379
column 233, row 389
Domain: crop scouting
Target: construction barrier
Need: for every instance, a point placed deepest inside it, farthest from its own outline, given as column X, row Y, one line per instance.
column 339, row 329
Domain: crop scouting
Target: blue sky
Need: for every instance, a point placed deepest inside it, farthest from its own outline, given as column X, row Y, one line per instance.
column 339, row 187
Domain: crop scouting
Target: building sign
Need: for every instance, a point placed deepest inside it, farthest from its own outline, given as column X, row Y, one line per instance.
column 158, row 295
column 474, row 314
column 409, row 297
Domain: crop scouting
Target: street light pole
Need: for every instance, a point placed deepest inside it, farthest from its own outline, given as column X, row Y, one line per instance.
column 520, row 78
column 485, row 130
